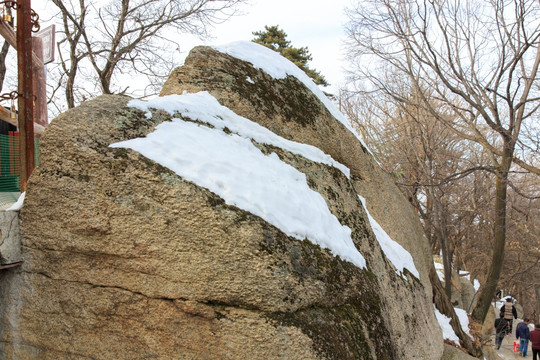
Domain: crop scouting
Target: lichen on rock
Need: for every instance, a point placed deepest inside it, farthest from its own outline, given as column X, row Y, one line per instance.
column 126, row 259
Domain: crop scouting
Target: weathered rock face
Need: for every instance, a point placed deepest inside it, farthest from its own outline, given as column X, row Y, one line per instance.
column 10, row 249
column 124, row 259
column 463, row 292
column 285, row 107
column 453, row 353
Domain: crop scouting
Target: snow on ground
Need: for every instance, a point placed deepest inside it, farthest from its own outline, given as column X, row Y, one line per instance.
column 476, row 285
column 230, row 165
column 279, row 67
column 18, row 205
column 467, row 275
column 440, row 273
column 444, row 323
column 499, row 303
column 439, row 268
column 463, row 320
column 400, row 257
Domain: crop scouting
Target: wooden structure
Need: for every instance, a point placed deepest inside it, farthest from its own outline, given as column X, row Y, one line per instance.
column 31, row 94
column 7, row 116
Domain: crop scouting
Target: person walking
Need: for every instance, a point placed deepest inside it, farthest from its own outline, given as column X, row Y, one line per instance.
column 523, row 334
column 508, row 311
column 501, row 325
column 535, row 342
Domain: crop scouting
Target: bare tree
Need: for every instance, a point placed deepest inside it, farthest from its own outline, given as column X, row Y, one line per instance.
column 422, row 155
column 3, row 56
column 106, row 39
column 450, row 185
column 479, row 59
column 5, row 50
column 521, row 273
column 70, row 66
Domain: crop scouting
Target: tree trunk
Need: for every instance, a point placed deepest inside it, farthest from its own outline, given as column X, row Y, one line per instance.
column 536, row 313
column 447, row 262
column 105, row 85
column 442, row 236
column 71, row 75
column 489, row 289
column 3, row 55
column 70, row 93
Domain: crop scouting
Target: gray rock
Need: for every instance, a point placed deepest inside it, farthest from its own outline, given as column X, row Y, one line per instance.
column 124, row 259
column 10, row 239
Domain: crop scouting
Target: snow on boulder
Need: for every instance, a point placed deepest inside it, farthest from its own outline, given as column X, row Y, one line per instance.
column 221, row 220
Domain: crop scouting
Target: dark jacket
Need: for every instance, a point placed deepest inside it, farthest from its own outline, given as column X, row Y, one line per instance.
column 501, row 325
column 522, row 331
column 535, row 339
column 508, row 310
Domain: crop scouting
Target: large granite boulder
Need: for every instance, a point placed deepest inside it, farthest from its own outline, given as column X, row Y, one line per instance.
column 124, row 258
column 463, row 292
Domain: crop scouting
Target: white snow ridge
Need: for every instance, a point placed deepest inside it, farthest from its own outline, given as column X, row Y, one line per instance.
column 230, row 165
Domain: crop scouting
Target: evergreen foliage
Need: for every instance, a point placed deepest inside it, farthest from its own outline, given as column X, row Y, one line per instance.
column 276, row 39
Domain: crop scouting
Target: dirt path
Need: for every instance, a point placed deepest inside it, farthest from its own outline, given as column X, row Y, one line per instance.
column 507, row 348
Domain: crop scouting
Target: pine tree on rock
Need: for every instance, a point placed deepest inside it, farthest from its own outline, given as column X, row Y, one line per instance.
column 276, row 39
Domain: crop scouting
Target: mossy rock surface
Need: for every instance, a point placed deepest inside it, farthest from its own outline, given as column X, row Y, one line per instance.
column 125, row 259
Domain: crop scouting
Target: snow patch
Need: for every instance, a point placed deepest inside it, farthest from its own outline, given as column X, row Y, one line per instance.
column 439, row 269
column 205, row 108
column 223, row 159
column 396, row 253
column 444, row 323
column 279, row 67
column 464, row 321
column 19, row 204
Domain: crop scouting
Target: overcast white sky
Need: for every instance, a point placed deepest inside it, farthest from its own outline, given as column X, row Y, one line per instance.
column 317, row 24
